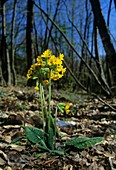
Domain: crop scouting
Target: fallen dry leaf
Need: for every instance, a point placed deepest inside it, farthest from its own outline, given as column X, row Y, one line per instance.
column 89, row 118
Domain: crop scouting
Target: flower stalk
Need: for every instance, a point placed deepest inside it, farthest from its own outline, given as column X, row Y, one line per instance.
column 47, row 68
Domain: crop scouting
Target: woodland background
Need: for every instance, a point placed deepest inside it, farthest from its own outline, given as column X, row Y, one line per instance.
column 83, row 30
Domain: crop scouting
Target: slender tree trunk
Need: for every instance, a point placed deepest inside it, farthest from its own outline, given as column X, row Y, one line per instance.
column 54, row 18
column 45, row 44
column 83, row 49
column 72, row 34
column 5, row 61
column 29, row 31
column 105, row 36
column 12, row 45
column 115, row 3
column 98, row 60
column 36, row 41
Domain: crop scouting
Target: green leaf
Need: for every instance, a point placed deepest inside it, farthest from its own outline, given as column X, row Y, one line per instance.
column 33, row 134
column 54, row 127
column 61, row 106
column 57, row 152
column 15, row 140
column 50, row 139
column 43, row 148
column 34, row 77
column 45, row 70
column 39, row 155
column 82, row 143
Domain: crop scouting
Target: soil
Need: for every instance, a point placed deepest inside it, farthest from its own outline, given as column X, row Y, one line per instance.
column 89, row 117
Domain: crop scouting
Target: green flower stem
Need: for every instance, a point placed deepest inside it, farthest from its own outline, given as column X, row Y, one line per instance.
column 49, row 101
column 44, row 102
column 55, row 125
column 49, row 95
column 42, row 107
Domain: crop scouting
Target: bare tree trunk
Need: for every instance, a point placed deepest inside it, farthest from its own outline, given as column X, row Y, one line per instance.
column 36, row 41
column 12, row 45
column 115, row 3
column 29, row 31
column 72, row 34
column 1, row 76
column 45, row 44
column 83, row 49
column 106, row 40
column 48, row 30
column 98, row 60
column 5, row 61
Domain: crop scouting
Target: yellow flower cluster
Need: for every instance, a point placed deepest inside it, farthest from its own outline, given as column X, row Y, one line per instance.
column 49, row 65
column 67, row 106
column 30, row 71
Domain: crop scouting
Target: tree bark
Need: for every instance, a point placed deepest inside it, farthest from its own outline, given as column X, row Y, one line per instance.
column 12, row 45
column 105, row 36
column 5, row 61
column 29, row 32
column 98, row 59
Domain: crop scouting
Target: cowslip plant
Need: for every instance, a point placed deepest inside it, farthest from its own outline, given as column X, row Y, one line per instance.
column 48, row 67
column 64, row 107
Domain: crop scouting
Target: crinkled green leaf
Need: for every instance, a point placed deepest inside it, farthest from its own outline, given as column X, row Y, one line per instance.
column 82, row 143
column 33, row 134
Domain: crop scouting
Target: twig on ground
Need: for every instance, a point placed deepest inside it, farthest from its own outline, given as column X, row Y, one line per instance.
column 111, row 164
column 100, row 99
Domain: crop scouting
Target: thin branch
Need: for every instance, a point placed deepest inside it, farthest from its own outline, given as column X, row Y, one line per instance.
column 109, row 11
column 67, row 40
column 101, row 100
column 70, row 71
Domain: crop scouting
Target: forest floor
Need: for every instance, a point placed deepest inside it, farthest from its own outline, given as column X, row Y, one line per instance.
column 89, row 117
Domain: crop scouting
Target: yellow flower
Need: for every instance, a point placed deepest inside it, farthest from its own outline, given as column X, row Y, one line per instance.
column 59, row 68
column 46, row 54
column 63, row 70
column 45, row 81
column 30, row 71
column 28, row 76
column 67, row 106
column 67, row 111
column 51, row 60
column 54, row 75
column 61, row 56
column 36, row 88
column 39, row 61
column 58, row 61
